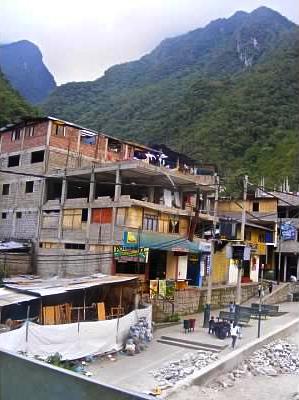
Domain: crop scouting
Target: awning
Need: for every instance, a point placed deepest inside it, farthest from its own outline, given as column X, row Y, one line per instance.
column 8, row 297
column 47, row 287
column 153, row 240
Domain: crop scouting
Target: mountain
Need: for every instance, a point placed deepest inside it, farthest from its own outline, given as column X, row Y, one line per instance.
column 22, row 64
column 226, row 93
column 13, row 106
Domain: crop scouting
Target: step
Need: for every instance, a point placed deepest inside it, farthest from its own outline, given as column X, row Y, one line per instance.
column 196, row 343
column 187, row 346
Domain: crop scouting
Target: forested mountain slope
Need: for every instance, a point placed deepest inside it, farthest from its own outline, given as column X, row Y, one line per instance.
column 226, row 93
column 12, row 105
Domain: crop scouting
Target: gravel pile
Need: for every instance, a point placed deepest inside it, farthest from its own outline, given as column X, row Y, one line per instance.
column 278, row 357
column 174, row 371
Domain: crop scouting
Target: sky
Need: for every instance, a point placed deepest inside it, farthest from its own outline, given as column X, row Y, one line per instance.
column 80, row 39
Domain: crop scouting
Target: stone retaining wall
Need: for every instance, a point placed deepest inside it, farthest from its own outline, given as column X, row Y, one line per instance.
column 193, row 300
column 281, row 293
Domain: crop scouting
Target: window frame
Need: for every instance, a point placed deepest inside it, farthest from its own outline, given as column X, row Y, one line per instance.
column 11, row 158
column 35, row 152
column 5, row 188
column 29, row 187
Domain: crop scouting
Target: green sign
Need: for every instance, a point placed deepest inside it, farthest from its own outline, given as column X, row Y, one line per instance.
column 124, row 254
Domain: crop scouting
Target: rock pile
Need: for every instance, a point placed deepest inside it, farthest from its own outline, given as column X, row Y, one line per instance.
column 278, row 357
column 175, row 370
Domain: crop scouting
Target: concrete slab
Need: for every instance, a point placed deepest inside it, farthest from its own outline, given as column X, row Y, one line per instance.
column 134, row 372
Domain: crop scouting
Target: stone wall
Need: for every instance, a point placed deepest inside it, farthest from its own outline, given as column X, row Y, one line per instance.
column 193, row 300
column 281, row 294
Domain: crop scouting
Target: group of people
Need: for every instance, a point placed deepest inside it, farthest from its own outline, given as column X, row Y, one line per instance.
column 261, row 291
column 225, row 329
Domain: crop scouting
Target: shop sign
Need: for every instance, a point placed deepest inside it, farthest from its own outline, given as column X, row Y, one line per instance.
column 124, row 254
column 130, row 239
column 204, row 247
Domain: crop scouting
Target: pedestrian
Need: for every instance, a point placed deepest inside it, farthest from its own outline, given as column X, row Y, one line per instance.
column 234, row 334
column 270, row 287
column 259, row 289
column 212, row 326
column 232, row 307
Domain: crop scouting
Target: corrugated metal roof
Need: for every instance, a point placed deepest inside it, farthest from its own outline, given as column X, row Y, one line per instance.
column 47, row 287
column 8, row 297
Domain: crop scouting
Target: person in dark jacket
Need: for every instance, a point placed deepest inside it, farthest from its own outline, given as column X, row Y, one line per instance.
column 211, row 325
column 270, row 287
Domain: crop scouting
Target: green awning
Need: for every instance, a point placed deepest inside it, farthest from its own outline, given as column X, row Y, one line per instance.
column 161, row 241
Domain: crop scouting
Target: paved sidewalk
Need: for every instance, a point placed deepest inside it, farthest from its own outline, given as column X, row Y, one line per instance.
column 134, row 372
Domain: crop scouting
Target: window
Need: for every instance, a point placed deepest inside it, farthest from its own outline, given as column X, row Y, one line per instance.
column 255, row 206
column 84, row 215
column 16, row 135
column 262, row 238
column 5, row 189
column 37, row 156
column 150, row 222
column 29, row 186
column 101, row 216
column 19, row 215
column 58, row 130
column 74, row 246
column 114, row 145
column 173, row 226
column 4, row 215
column 247, row 235
column 29, row 131
column 13, row 161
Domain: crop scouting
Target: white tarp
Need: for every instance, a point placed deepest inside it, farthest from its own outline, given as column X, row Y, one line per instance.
column 72, row 341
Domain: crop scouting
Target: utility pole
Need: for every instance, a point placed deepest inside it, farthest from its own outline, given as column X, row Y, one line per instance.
column 279, row 252
column 207, row 309
column 260, row 304
column 240, row 262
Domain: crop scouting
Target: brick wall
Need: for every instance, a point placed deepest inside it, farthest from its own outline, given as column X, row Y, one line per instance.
column 39, row 139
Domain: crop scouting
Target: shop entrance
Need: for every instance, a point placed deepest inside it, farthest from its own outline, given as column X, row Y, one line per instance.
column 157, row 264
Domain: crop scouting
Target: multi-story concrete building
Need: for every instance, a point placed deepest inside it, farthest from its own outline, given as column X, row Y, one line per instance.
column 90, row 202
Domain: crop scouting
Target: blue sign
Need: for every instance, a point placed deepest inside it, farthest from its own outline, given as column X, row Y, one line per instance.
column 288, row 231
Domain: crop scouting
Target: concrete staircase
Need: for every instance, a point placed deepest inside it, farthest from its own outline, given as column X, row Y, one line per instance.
column 190, row 344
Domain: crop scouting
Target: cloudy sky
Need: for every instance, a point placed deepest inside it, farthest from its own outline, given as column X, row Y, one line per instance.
column 80, row 39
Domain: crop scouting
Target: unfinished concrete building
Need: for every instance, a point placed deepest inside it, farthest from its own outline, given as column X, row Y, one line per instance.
column 93, row 203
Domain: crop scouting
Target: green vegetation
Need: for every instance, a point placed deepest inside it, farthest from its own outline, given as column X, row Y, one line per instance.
column 13, row 106
column 194, row 94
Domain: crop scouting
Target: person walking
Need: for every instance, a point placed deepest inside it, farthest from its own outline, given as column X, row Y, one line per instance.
column 270, row 287
column 259, row 289
column 234, row 334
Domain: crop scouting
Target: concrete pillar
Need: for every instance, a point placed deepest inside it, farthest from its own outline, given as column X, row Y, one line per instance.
column 117, row 190
column 285, row 268
column 117, row 195
column 62, row 201
column 90, row 201
column 151, row 194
